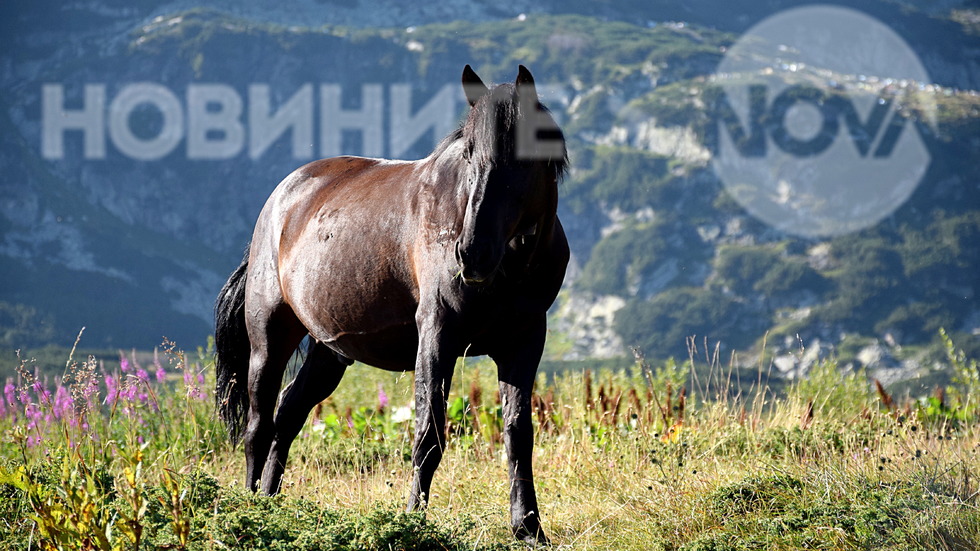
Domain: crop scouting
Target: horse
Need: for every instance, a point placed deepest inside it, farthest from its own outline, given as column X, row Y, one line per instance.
column 403, row 265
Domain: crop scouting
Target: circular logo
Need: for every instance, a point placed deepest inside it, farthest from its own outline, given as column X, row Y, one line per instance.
column 816, row 121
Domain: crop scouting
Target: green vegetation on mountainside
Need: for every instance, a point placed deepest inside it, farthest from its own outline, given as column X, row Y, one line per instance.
column 653, row 228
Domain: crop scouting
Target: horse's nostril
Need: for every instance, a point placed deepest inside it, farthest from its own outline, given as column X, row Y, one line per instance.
column 469, row 265
column 459, row 254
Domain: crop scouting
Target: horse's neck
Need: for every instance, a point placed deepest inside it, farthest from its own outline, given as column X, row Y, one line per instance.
column 445, row 170
column 442, row 194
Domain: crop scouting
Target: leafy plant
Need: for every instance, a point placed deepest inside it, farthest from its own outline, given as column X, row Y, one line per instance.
column 959, row 402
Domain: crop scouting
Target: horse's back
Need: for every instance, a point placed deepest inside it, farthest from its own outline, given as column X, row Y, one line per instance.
column 343, row 181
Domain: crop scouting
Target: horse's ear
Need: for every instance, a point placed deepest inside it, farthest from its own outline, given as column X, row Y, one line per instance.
column 473, row 87
column 525, row 80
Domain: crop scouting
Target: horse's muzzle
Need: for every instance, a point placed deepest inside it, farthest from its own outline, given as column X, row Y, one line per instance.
column 475, row 269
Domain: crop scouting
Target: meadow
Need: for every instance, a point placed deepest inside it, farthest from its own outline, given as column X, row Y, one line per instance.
column 692, row 455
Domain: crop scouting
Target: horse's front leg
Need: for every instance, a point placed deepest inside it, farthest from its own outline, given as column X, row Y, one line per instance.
column 434, row 366
column 517, row 365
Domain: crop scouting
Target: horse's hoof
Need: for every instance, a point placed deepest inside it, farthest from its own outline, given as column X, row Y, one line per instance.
column 534, row 538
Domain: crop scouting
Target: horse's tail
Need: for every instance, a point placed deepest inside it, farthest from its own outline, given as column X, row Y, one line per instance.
column 233, row 351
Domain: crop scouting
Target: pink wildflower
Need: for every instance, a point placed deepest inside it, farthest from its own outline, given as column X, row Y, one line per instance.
column 129, row 391
column 63, row 405
column 112, row 392
column 9, row 391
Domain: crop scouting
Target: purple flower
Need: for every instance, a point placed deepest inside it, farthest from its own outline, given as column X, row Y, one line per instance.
column 128, row 392
column 9, row 391
column 123, row 363
column 63, row 405
column 34, row 417
column 382, row 397
column 112, row 392
column 198, row 393
column 161, row 375
column 91, row 389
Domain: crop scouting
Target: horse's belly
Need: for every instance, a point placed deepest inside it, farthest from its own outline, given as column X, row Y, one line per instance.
column 348, row 283
column 392, row 348
column 368, row 319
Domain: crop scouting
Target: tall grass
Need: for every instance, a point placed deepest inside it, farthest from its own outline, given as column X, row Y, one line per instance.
column 81, row 454
column 674, row 456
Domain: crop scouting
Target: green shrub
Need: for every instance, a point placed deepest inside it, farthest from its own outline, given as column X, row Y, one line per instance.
column 767, row 494
column 619, row 261
column 662, row 324
column 767, row 270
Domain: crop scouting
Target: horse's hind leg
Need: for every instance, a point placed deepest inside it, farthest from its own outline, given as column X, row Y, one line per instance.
column 274, row 333
column 317, row 379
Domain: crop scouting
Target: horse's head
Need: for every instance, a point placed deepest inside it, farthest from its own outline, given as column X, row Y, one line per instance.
column 515, row 156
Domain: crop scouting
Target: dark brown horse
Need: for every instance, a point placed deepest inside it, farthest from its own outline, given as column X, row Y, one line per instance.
column 403, row 266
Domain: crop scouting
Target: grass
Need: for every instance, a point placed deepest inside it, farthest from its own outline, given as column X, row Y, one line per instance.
column 661, row 457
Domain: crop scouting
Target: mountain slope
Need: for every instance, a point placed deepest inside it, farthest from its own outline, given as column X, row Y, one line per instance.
column 137, row 248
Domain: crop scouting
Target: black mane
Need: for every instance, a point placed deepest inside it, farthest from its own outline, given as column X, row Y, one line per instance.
column 489, row 133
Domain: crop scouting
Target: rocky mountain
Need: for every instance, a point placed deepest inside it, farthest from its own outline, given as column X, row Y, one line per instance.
column 140, row 140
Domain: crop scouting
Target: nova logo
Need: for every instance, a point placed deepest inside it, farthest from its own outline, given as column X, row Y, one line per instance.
column 870, row 136
column 816, row 124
